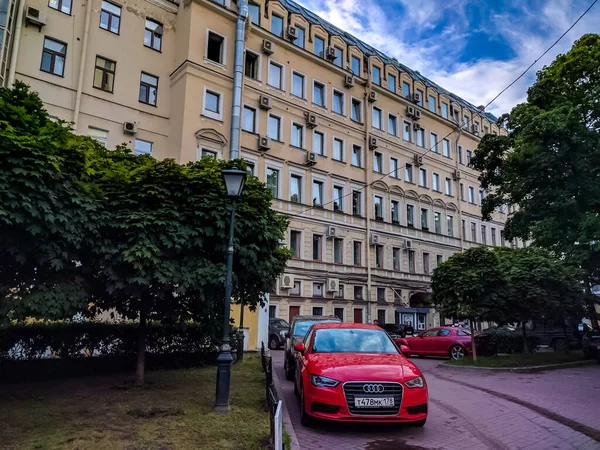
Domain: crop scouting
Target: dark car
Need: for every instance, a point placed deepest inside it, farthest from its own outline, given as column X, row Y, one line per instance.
column 398, row 330
column 590, row 342
column 560, row 334
column 278, row 329
column 298, row 329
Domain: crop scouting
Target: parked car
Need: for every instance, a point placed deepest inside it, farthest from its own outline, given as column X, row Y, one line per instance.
column 298, row 329
column 397, row 330
column 354, row 372
column 560, row 334
column 590, row 342
column 441, row 341
column 278, row 329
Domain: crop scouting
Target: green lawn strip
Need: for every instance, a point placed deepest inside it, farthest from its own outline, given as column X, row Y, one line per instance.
column 173, row 412
column 520, row 360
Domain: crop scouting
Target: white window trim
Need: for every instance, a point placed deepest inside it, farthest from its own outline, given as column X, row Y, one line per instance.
column 223, row 64
column 314, row 130
column 341, row 184
column 441, row 221
column 362, row 109
column 469, row 190
column 312, row 93
column 451, row 193
column 435, row 149
column 398, row 168
column 211, row 114
column 333, row 138
column 381, row 116
column 360, row 189
column 387, row 82
column 333, row 92
column 269, row 164
column 362, row 161
column 382, row 162
column 227, row 3
column 323, row 181
column 421, row 185
column 255, row 118
column 396, row 120
column 449, row 156
column 433, row 174
column 302, row 175
column 414, row 206
column 383, row 199
column 281, row 126
column 429, row 218
column 251, row 159
column 292, row 122
column 410, row 131
column 282, row 74
column 200, row 148
column 303, row 87
column 259, row 71
column 301, row 252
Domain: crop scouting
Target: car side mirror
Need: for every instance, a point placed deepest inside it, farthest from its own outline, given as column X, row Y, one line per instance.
column 300, row 348
column 404, row 349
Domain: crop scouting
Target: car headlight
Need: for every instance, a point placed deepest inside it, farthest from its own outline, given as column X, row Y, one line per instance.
column 418, row 382
column 320, row 381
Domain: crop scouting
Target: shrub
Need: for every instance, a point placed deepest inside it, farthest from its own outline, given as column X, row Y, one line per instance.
column 506, row 341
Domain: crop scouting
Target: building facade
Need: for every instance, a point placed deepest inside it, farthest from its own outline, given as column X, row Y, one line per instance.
column 369, row 158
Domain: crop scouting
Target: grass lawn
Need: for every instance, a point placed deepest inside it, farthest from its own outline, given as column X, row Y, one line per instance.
column 520, row 360
column 173, row 412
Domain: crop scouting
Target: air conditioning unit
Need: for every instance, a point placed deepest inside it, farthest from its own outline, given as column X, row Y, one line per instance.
column 333, row 284
column 265, row 102
column 311, row 120
column 417, row 115
column 416, row 126
column 292, row 33
column 456, row 175
column 287, row 282
column 264, row 143
column 35, row 17
column 372, row 96
column 374, row 239
column 268, row 47
column 330, row 53
column 408, row 244
column 373, row 144
column 348, row 81
column 332, row 232
column 129, row 127
column 416, row 97
column 418, row 160
column 475, row 128
column 410, row 111
column 311, row 158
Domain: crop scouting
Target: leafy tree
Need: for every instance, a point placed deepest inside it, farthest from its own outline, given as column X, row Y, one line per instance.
column 548, row 163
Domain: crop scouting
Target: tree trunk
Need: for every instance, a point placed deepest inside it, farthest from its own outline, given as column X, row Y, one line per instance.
column 524, row 330
column 473, row 346
column 591, row 303
column 141, row 351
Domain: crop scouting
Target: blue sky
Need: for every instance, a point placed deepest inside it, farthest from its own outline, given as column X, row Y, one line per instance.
column 474, row 48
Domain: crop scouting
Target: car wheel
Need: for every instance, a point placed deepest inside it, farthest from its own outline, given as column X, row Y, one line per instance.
column 305, row 419
column 457, row 352
column 419, row 423
column 560, row 345
column 289, row 372
column 273, row 343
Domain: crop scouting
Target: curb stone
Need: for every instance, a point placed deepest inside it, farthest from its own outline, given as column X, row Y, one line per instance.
column 527, row 369
column 287, row 421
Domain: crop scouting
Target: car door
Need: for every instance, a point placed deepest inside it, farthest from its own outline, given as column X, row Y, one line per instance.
column 301, row 358
column 423, row 343
column 443, row 341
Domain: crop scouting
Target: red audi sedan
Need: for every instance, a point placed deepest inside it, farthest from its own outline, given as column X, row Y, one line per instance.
column 354, row 372
column 442, row 341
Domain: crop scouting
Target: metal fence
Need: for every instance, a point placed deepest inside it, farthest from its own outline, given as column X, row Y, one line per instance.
column 272, row 403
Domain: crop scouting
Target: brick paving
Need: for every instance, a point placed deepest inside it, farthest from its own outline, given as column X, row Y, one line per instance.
column 463, row 418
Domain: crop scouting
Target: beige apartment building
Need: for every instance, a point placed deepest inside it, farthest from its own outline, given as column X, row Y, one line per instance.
column 339, row 131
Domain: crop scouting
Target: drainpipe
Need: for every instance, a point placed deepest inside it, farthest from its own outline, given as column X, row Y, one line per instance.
column 459, row 202
column 84, row 46
column 368, row 203
column 15, row 48
column 238, row 66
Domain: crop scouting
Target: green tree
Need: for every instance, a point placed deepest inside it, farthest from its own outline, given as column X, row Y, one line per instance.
column 548, row 163
column 471, row 285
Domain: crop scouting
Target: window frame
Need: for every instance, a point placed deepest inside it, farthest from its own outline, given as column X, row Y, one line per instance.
column 281, row 86
column 356, row 101
column 53, row 54
column 153, row 34
column 104, row 73
column 145, row 142
column 292, row 84
column 111, row 15
column 279, row 137
column 336, row 93
column 258, row 67
column 297, row 125
column 59, row 5
column 156, row 91
column 209, row 113
column 392, row 119
column 323, row 93
column 342, row 149
column 254, row 121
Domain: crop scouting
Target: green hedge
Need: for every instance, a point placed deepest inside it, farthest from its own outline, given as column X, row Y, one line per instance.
column 506, row 341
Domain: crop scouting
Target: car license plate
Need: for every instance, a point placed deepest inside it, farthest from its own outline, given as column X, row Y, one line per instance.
column 373, row 402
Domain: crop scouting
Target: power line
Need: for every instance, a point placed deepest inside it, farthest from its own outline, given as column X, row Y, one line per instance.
column 465, row 125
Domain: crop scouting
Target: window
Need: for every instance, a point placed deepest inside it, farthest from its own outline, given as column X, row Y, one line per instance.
column 317, row 310
column 208, row 154
column 378, row 202
column 423, row 177
column 437, row 222
column 358, row 292
column 318, row 143
column 317, row 193
column 407, row 135
column 275, row 75
column 469, row 154
column 471, row 195
column 274, row 127
column 493, row 233
column 448, row 186
column 317, row 247
column 381, row 298
column 421, row 97
column 439, row 259
column 297, row 289
column 153, row 35
column 408, row 173
column 502, row 240
column 433, row 142
column 483, row 234
column 338, row 102
column 446, row 148
column 142, row 147
column 318, row 292
column 53, row 57
column 377, row 162
column 436, row 183
column 149, row 89
column 379, row 256
column 392, row 125
column 424, row 219
column 212, row 104
column 356, row 66
column 356, row 156
column 357, row 203
column 61, row 5
column 338, row 251
column 405, row 89
column 318, row 93
column 391, row 83
column 277, row 25
column 251, row 65
column 376, row 75
column 432, row 103
column 295, row 243
column 298, row 84
column 396, row 258
column 481, row 196
column 410, row 215
column 296, row 189
column 338, row 149
column 464, row 229
column 254, row 13
column 273, row 181
column 297, row 135
column 420, row 133
column 444, row 110
column 339, row 56
column 356, row 113
column 357, row 252
column 250, row 167
column 104, row 74
column 394, row 168
column 459, row 152
column 426, row 263
column 338, row 198
column 462, row 192
column 377, row 118
column 249, row 119
column 466, row 122
column 411, row 261
column 98, row 135
column 110, row 17
column 395, row 209
column 301, row 39
column 455, row 114
column 319, row 47
column 473, row 232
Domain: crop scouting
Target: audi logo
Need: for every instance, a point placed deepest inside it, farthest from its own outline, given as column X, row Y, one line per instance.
column 373, row 388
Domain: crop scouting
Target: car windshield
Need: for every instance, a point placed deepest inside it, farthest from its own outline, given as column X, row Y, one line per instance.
column 279, row 323
column 301, row 327
column 352, row 340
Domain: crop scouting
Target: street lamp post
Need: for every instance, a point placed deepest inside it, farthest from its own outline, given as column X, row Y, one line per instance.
column 234, row 183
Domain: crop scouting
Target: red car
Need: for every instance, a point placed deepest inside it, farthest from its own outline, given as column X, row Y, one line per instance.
column 442, row 341
column 352, row 372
